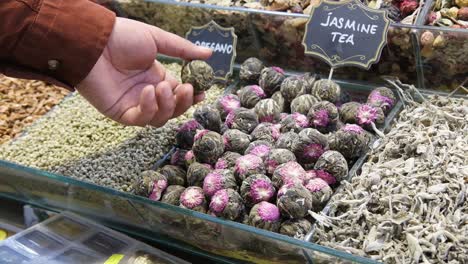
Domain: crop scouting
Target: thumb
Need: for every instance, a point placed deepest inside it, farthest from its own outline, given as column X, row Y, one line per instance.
column 142, row 114
column 175, row 46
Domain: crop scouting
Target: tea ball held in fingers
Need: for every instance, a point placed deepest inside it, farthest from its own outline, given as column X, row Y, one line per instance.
column 172, row 194
column 227, row 203
column 257, row 188
column 199, row 74
column 295, row 202
column 250, row 70
column 193, row 198
column 266, row 216
column 208, row 147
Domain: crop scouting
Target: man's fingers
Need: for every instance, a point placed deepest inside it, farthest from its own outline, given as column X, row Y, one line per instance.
column 184, row 99
column 166, row 104
column 173, row 45
column 143, row 113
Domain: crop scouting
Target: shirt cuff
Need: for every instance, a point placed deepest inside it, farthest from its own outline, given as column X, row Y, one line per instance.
column 66, row 39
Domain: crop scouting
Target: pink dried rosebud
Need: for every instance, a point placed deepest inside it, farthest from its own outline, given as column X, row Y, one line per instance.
column 309, row 146
column 227, row 161
column 323, row 116
column 266, row 216
column 259, row 148
column 268, row 110
column 257, row 188
column 432, row 17
column 407, row 7
column 196, row 174
column 383, row 97
column 236, row 140
column 294, row 122
column 248, row 165
column 290, row 172
column 217, row 180
column 334, row 163
column 186, row 133
column 277, row 157
column 250, row 95
column 227, row 104
column 320, row 191
column 295, row 202
column 227, row 203
column 194, row 199
column 208, row 147
column 266, row 131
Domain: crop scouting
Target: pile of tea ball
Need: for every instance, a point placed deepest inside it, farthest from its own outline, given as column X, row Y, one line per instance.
column 269, row 153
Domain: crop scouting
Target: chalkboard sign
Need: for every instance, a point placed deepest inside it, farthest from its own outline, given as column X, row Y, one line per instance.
column 222, row 41
column 346, row 33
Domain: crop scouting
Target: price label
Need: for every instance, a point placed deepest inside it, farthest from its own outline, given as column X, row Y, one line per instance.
column 346, row 33
column 222, row 41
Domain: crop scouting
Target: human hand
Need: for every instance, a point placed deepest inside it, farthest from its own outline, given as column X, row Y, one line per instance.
column 129, row 86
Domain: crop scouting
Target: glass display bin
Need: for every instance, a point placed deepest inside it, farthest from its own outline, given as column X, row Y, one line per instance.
column 276, row 37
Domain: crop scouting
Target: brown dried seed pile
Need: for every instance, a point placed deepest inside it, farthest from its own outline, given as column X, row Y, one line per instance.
column 76, row 140
column 409, row 204
column 24, row 101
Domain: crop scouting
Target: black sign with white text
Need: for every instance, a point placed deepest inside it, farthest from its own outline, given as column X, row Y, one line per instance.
column 346, row 33
column 222, row 41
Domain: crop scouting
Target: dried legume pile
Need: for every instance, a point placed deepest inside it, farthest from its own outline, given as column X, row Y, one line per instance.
column 409, row 204
column 77, row 141
column 24, row 101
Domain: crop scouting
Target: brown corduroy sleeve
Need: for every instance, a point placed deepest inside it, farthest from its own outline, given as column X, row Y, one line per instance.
column 57, row 41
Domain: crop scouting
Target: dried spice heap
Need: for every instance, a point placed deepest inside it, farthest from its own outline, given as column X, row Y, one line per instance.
column 24, row 101
column 409, row 204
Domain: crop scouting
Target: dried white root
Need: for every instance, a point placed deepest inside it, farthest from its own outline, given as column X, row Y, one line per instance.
column 409, row 203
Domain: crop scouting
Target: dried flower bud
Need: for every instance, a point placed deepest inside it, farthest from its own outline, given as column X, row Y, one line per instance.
column 334, row 163
column 327, row 90
column 172, row 194
column 382, row 97
column 266, row 216
column 285, row 141
column 227, row 104
column 250, row 70
column 292, row 87
column 297, row 228
column 250, row 95
column 276, row 158
column 279, row 99
column 257, row 188
column 217, row 180
column 186, row 133
column 427, row 38
column 295, row 202
column 290, row 172
column 407, row 7
column 432, row 17
column 248, row 165
column 199, row 74
column 302, row 104
column 196, row 174
column 193, row 198
column 320, row 191
column 227, row 161
column 259, row 148
column 294, row 122
column 236, row 140
column 145, row 183
column 227, row 203
column 310, row 146
column 174, row 175
column 208, row 117
column 366, row 115
column 178, row 158
column 271, row 79
column 245, row 120
column 208, row 148
column 463, row 13
column 267, row 110
column 266, row 131
column 323, row 116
